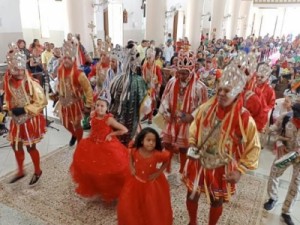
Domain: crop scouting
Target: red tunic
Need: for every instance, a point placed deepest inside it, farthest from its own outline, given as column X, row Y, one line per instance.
column 144, row 202
column 28, row 128
column 268, row 96
column 100, row 167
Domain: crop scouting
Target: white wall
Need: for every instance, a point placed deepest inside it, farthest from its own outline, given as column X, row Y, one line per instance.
column 10, row 25
column 52, row 15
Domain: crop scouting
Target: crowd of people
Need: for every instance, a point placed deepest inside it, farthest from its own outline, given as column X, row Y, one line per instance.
column 215, row 108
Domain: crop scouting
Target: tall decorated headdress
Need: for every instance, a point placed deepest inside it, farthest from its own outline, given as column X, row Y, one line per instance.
column 117, row 53
column 150, row 53
column 15, row 59
column 264, row 71
column 69, row 49
column 234, row 78
column 246, row 62
column 186, row 60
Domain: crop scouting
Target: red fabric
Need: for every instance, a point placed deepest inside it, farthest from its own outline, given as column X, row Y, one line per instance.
column 183, row 158
column 35, row 157
column 296, row 122
column 145, row 202
column 20, row 156
column 214, row 215
column 100, row 167
column 267, row 100
column 192, row 207
column 78, row 134
column 253, row 105
column 30, row 132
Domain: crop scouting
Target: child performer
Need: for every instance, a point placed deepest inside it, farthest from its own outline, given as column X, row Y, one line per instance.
column 145, row 198
column 101, row 163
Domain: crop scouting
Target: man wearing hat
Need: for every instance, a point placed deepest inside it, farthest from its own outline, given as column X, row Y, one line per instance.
column 25, row 100
column 224, row 144
column 72, row 86
column 287, row 128
column 182, row 96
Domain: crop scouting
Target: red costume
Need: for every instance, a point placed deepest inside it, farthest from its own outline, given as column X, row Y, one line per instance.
column 143, row 201
column 25, row 99
column 268, row 94
column 73, row 87
column 100, row 167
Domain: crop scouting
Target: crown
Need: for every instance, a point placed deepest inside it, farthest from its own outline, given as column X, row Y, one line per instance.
column 15, row 58
column 69, row 49
column 246, row 62
column 186, row 60
column 233, row 77
column 150, row 53
column 264, row 70
column 104, row 96
column 117, row 53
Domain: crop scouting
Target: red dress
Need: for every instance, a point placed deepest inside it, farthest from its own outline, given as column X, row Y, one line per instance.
column 144, row 202
column 100, row 167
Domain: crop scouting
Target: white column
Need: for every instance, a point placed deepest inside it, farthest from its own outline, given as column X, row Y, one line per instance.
column 235, row 9
column 193, row 30
column 245, row 19
column 217, row 18
column 10, row 25
column 115, row 22
column 180, row 24
column 155, row 20
column 80, row 13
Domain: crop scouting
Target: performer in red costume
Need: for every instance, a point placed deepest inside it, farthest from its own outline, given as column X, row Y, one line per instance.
column 73, row 85
column 25, row 99
column 224, row 144
column 253, row 99
column 182, row 96
column 263, row 74
column 153, row 78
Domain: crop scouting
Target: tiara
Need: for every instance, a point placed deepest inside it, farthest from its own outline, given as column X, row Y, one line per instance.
column 186, row 60
column 104, row 96
column 15, row 58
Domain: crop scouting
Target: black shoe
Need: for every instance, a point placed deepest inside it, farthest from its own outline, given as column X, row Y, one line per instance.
column 270, row 204
column 287, row 219
column 72, row 141
column 16, row 178
column 35, row 178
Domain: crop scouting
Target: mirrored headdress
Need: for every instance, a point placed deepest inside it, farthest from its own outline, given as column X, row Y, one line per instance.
column 69, row 49
column 234, row 78
column 15, row 59
column 265, row 71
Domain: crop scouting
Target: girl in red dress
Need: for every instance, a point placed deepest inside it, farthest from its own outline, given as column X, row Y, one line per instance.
column 101, row 163
column 145, row 198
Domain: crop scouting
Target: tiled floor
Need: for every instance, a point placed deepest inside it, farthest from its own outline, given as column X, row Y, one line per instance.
column 55, row 139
